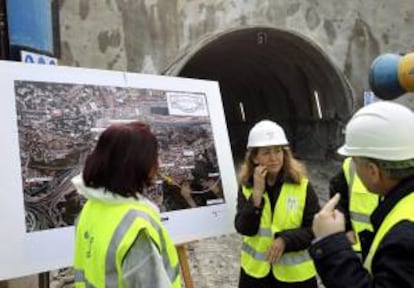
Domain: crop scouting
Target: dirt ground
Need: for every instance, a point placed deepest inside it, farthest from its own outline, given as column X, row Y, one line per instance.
column 215, row 262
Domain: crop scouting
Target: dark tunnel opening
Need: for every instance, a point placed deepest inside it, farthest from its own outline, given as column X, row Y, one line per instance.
column 266, row 73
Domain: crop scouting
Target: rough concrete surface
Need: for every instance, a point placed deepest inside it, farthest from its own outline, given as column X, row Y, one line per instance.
column 149, row 35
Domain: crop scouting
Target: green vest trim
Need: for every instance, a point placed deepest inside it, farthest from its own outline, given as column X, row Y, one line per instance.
column 116, row 250
column 288, row 214
column 403, row 210
column 361, row 202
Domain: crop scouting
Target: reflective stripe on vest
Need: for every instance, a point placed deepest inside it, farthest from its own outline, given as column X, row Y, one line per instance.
column 403, row 210
column 361, row 202
column 80, row 278
column 265, row 232
column 288, row 214
column 358, row 217
column 111, row 271
column 285, row 260
column 110, row 266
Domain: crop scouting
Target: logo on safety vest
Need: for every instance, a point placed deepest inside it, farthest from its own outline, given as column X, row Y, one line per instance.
column 292, row 203
column 89, row 239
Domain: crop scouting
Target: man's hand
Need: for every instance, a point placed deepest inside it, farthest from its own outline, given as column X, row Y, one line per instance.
column 185, row 190
column 186, row 193
column 351, row 237
column 329, row 220
column 276, row 250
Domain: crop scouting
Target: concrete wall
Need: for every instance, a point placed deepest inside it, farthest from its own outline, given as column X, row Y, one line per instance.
column 148, row 35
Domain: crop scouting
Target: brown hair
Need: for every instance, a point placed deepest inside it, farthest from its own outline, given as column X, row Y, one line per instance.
column 123, row 160
column 291, row 166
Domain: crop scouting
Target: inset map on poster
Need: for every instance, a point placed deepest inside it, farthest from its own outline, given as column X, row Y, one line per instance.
column 50, row 120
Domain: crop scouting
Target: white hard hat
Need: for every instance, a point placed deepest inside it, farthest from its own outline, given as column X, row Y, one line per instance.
column 266, row 133
column 382, row 130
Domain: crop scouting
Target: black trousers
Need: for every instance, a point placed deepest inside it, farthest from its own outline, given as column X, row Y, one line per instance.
column 270, row 281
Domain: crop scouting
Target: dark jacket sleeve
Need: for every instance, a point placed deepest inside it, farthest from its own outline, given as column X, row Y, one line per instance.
column 338, row 266
column 339, row 185
column 247, row 220
column 300, row 238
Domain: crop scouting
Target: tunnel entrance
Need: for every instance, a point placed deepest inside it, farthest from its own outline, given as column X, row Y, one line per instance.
column 265, row 73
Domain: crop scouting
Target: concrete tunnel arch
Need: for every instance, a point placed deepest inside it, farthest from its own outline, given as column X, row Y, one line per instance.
column 267, row 73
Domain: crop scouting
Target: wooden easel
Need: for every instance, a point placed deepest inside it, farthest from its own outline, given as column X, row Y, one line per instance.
column 185, row 268
column 44, row 280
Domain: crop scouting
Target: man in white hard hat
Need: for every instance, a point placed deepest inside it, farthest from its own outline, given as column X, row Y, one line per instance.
column 356, row 202
column 380, row 140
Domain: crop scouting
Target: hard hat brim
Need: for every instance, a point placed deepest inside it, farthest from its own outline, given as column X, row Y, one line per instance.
column 268, row 144
column 342, row 151
column 399, row 154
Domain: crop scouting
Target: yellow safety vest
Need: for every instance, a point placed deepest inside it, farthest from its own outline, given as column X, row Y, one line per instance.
column 361, row 202
column 105, row 233
column 402, row 211
column 287, row 214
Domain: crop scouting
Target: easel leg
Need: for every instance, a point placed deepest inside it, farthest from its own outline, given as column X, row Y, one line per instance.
column 44, row 280
column 185, row 268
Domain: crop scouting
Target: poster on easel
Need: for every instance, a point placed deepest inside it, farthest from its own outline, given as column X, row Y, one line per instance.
column 51, row 118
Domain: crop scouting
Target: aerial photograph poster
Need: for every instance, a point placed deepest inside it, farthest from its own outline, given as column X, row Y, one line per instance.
column 58, row 126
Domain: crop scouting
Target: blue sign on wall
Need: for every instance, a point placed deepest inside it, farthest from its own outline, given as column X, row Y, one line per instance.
column 30, row 24
column 35, row 58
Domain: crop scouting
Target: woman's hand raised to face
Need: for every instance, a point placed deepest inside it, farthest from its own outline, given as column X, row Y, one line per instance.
column 259, row 178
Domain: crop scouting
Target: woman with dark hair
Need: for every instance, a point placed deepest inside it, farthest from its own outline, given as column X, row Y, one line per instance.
column 120, row 241
column 275, row 209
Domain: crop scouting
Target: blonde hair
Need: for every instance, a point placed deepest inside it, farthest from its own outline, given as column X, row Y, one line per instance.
column 291, row 166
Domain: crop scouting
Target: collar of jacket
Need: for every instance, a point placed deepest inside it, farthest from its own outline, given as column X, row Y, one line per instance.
column 101, row 194
column 403, row 188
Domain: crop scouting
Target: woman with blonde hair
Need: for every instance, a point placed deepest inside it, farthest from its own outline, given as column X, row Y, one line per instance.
column 275, row 208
